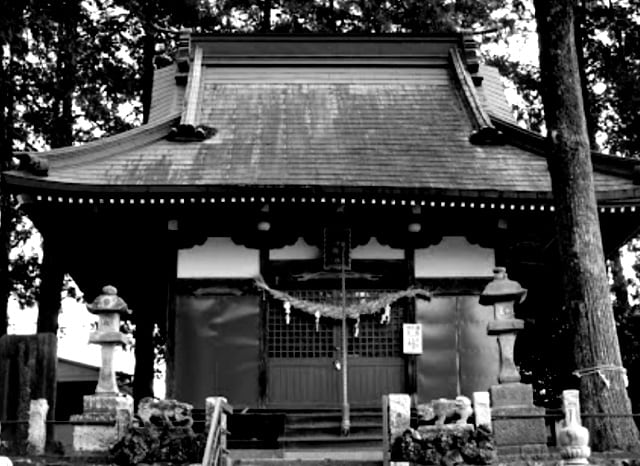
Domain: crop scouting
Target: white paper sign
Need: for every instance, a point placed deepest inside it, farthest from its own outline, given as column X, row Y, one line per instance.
column 412, row 338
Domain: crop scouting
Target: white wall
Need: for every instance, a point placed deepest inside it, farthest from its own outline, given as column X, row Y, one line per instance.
column 218, row 258
column 298, row 251
column 375, row 250
column 454, row 256
column 301, row 250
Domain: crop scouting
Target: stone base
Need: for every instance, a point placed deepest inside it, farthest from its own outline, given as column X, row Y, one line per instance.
column 113, row 411
column 518, row 425
column 517, row 430
column 94, row 439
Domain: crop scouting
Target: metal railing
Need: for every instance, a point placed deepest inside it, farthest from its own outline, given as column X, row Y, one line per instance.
column 215, row 452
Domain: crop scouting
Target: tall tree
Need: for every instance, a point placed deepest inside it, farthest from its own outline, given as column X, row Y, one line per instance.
column 67, row 15
column 12, row 47
column 586, row 290
column 157, row 20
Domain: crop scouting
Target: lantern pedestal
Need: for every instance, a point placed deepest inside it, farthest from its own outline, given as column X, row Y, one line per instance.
column 107, row 414
column 516, row 434
column 105, row 419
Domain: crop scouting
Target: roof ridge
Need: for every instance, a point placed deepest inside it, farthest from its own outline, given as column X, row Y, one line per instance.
column 484, row 131
column 192, row 97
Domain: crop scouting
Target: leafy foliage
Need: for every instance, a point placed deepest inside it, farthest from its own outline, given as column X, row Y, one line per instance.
column 612, row 63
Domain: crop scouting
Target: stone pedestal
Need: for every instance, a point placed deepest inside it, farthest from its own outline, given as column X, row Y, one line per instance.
column 104, row 421
column 517, row 428
column 37, row 437
column 107, row 414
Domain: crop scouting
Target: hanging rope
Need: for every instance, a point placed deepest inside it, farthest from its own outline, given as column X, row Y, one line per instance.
column 382, row 302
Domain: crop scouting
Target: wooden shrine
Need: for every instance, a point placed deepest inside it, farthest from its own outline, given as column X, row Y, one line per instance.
column 390, row 161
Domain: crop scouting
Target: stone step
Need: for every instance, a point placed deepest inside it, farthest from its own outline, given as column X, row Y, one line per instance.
column 369, row 415
column 308, row 457
column 335, row 442
column 331, row 427
column 318, row 462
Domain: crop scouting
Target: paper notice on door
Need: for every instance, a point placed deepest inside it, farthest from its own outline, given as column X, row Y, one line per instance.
column 412, row 338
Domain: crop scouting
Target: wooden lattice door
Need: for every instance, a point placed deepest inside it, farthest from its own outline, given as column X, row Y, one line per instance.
column 302, row 355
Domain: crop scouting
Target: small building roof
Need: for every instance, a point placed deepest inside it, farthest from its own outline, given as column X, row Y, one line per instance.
column 322, row 113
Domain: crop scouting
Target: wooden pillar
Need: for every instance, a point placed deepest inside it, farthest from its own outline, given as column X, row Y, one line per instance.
column 148, row 284
column 144, row 349
column 411, row 361
column 51, row 276
column 263, row 329
column 502, row 244
column 170, row 321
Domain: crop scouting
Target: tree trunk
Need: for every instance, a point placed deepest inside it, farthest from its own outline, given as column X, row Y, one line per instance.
column 148, row 54
column 52, row 277
column 581, row 40
column 266, row 16
column 6, row 153
column 69, row 13
column 586, row 298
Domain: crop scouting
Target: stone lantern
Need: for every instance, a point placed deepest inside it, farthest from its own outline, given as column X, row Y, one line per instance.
column 108, row 306
column 518, row 425
column 107, row 413
column 502, row 293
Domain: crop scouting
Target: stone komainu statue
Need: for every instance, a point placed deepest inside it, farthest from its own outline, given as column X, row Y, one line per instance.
column 444, row 411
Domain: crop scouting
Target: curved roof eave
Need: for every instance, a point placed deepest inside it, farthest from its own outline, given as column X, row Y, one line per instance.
column 42, row 187
column 109, row 145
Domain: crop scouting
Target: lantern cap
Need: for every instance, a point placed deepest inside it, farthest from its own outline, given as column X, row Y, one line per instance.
column 109, row 302
column 502, row 289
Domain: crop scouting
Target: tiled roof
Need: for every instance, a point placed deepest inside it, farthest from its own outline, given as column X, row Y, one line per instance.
column 340, row 127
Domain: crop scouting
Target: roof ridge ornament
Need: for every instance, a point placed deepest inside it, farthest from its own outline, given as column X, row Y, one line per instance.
column 191, row 133
column 183, row 55
column 33, row 163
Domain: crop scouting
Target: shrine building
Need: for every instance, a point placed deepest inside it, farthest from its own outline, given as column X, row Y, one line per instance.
column 377, row 163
